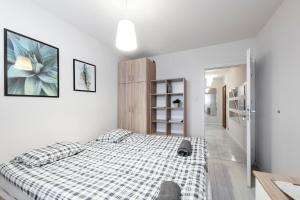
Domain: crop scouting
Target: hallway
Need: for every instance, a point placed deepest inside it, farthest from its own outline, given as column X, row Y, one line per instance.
column 226, row 165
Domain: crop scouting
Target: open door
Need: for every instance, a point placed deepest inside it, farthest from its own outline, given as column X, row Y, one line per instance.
column 250, row 109
column 224, row 103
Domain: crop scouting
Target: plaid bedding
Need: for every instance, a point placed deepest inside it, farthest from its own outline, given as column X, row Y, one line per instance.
column 166, row 147
column 131, row 169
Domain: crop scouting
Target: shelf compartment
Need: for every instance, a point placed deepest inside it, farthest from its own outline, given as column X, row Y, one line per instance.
column 175, row 108
column 160, row 133
column 175, row 122
column 177, row 130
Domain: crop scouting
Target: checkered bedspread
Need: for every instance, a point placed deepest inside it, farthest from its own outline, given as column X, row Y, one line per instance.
column 132, row 169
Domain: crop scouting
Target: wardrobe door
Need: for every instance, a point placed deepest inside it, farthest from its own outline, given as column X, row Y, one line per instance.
column 139, row 118
column 125, row 109
column 139, row 70
column 124, row 72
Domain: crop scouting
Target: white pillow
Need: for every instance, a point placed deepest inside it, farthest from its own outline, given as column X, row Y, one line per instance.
column 49, row 154
column 114, row 136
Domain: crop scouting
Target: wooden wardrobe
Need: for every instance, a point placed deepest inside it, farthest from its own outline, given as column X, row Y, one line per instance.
column 134, row 79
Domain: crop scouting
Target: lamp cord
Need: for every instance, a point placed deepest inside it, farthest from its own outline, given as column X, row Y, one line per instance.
column 126, row 10
column 125, row 4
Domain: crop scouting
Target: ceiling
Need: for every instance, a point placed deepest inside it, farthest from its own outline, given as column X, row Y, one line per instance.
column 165, row 26
column 216, row 73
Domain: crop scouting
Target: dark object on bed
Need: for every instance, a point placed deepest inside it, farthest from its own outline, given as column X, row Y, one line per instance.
column 185, row 148
column 169, row 190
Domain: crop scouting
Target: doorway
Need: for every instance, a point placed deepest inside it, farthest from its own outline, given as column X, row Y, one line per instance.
column 227, row 132
column 225, row 105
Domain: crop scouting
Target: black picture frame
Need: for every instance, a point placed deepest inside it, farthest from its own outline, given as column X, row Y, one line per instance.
column 6, row 93
column 74, row 76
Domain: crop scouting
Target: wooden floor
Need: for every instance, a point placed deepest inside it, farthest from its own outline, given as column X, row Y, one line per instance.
column 226, row 166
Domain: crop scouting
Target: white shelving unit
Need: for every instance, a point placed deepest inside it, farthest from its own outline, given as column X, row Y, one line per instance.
column 166, row 117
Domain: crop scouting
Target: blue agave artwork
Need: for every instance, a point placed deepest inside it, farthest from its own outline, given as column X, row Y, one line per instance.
column 31, row 67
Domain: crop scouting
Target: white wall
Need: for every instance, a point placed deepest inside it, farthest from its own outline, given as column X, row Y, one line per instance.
column 190, row 65
column 277, row 88
column 27, row 123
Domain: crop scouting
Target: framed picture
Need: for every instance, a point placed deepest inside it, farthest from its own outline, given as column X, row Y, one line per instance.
column 31, row 67
column 84, row 76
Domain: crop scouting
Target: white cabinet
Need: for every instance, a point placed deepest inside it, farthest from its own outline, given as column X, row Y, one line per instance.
column 260, row 193
column 266, row 189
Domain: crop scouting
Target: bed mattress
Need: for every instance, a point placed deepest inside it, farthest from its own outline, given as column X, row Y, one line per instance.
column 132, row 169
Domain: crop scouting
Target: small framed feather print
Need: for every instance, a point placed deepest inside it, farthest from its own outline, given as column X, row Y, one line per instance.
column 84, row 76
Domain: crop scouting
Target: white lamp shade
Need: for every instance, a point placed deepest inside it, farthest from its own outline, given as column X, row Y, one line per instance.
column 126, row 36
column 23, row 63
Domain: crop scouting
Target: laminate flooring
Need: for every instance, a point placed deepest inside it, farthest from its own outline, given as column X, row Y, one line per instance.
column 226, row 166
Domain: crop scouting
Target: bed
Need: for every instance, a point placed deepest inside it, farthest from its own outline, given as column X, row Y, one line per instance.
column 131, row 169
